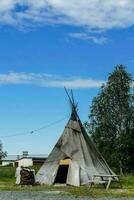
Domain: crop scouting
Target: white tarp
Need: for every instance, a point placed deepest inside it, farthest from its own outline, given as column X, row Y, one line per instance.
column 73, row 177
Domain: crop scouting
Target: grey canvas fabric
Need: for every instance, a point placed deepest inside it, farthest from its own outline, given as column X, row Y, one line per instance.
column 86, row 161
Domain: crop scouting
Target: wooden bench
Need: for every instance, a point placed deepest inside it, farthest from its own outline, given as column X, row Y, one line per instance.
column 107, row 182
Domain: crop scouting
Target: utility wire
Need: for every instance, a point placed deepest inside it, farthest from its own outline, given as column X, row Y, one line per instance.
column 35, row 130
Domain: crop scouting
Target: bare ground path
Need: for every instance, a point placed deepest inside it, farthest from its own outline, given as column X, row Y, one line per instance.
column 13, row 195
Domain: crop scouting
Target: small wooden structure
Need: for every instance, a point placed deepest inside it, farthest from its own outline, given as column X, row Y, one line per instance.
column 106, row 180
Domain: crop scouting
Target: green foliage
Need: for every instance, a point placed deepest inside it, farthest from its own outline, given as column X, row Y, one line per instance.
column 112, row 120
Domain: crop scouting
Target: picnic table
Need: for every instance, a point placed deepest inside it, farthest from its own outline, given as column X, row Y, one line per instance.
column 106, row 180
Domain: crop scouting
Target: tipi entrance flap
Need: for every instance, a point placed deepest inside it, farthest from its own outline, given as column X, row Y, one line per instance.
column 73, row 177
column 62, row 171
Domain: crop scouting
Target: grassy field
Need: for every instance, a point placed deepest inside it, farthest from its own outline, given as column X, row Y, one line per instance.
column 7, row 182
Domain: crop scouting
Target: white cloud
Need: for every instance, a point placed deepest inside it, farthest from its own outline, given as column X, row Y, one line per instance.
column 88, row 37
column 92, row 14
column 48, row 80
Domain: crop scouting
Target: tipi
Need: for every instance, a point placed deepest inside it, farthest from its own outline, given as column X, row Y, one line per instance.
column 74, row 160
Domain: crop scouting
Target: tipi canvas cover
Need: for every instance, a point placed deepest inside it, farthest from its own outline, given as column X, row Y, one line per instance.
column 84, row 159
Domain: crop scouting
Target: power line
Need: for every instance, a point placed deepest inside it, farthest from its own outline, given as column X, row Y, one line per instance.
column 35, row 130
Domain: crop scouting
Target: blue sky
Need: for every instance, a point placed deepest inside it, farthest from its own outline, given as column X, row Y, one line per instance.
column 48, row 44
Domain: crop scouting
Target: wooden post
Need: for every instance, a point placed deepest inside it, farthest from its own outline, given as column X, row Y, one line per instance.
column 121, row 170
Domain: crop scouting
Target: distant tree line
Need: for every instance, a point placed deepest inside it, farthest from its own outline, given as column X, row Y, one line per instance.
column 111, row 120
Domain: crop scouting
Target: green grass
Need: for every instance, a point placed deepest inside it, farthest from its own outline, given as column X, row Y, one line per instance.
column 7, row 182
column 7, row 174
column 128, row 181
